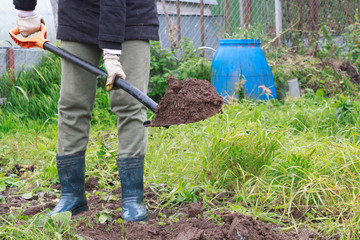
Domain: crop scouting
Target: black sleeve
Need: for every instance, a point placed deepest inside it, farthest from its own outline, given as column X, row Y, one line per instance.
column 112, row 23
column 25, row 5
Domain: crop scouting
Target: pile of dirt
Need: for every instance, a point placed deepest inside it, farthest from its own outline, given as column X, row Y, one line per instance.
column 187, row 101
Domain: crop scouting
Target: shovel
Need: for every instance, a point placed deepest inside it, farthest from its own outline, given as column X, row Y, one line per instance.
column 40, row 41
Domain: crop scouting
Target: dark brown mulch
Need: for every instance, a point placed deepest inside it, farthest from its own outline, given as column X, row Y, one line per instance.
column 187, row 101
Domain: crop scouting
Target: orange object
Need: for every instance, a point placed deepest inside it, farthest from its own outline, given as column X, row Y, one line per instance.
column 35, row 41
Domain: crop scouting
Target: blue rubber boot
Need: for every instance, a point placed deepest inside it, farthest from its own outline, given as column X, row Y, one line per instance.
column 71, row 171
column 131, row 171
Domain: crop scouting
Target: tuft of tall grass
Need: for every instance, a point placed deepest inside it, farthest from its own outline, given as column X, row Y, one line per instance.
column 273, row 157
column 34, row 95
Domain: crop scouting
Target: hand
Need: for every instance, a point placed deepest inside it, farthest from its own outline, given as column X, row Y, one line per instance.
column 29, row 25
column 114, row 69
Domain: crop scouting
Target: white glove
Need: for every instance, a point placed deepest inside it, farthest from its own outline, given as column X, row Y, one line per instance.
column 114, row 69
column 29, row 25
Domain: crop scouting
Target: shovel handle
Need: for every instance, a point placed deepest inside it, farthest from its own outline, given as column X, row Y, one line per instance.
column 36, row 41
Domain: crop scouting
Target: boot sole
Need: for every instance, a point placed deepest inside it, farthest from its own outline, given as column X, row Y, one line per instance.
column 79, row 210
column 141, row 219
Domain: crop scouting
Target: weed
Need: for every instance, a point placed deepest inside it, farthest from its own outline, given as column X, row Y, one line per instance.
column 104, row 216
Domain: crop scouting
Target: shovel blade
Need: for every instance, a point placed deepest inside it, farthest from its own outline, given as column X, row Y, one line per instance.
column 187, row 101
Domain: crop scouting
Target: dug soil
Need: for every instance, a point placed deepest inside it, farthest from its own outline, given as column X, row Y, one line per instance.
column 191, row 221
column 187, row 101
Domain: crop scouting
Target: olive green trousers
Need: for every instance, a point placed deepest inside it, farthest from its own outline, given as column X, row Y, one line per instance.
column 77, row 98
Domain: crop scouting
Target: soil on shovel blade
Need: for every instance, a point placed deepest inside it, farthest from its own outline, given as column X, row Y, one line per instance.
column 187, row 101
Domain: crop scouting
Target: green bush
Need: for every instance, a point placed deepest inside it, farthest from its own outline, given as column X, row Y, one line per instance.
column 352, row 43
column 182, row 63
column 163, row 63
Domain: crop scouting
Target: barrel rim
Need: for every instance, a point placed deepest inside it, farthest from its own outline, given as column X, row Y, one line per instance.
column 239, row 41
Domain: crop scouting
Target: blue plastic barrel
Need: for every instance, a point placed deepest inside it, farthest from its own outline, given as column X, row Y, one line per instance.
column 237, row 59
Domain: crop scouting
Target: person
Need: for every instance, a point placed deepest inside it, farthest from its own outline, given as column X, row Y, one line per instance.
column 120, row 31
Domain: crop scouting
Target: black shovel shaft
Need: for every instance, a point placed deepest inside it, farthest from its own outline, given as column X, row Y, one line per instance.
column 127, row 87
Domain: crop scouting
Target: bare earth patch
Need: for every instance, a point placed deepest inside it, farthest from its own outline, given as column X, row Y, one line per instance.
column 186, row 222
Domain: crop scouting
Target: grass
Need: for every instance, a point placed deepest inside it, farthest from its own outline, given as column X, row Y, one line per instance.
column 274, row 158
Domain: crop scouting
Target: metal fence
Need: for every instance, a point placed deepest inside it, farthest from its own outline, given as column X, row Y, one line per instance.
column 206, row 21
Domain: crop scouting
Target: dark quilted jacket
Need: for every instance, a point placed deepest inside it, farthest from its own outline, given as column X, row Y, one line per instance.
column 104, row 22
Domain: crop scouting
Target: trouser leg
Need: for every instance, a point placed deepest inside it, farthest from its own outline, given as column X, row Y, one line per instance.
column 77, row 97
column 135, row 59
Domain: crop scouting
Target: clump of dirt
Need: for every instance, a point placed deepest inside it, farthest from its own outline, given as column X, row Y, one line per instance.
column 194, row 209
column 187, row 101
column 20, row 170
column 91, row 184
column 245, row 227
column 30, row 211
column 16, row 203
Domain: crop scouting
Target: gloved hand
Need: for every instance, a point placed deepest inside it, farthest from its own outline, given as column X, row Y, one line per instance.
column 114, row 69
column 29, row 25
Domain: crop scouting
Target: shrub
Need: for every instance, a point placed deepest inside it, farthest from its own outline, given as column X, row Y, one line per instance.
column 182, row 63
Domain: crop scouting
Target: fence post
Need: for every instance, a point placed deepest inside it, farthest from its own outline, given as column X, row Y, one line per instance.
column 178, row 20
column 248, row 12
column 241, row 6
column 227, row 12
column 313, row 12
column 54, row 4
column 10, row 63
column 171, row 36
column 202, row 24
column 278, row 19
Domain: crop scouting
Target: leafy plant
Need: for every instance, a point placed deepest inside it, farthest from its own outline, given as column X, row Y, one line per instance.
column 328, row 47
column 163, row 62
column 182, row 63
column 346, row 110
column 351, row 47
column 256, row 31
column 104, row 216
